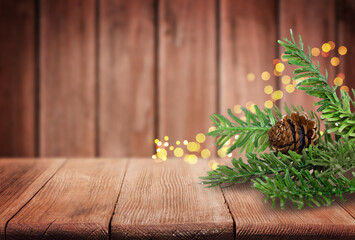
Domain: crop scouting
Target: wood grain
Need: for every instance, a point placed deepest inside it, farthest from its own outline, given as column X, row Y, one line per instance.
column 314, row 20
column 127, row 61
column 77, row 203
column 163, row 201
column 17, row 78
column 67, row 78
column 256, row 220
column 187, row 68
column 346, row 34
column 20, row 180
column 248, row 46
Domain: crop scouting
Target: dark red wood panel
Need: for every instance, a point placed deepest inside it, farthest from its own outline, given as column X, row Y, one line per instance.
column 17, row 78
column 187, row 67
column 314, row 20
column 67, row 78
column 127, row 60
column 248, row 48
column 346, row 35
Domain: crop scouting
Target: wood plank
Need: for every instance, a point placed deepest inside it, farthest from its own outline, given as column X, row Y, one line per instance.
column 161, row 201
column 248, row 47
column 17, row 78
column 20, row 180
column 127, row 62
column 255, row 219
column 187, row 68
column 67, row 78
column 314, row 20
column 77, row 203
column 346, row 34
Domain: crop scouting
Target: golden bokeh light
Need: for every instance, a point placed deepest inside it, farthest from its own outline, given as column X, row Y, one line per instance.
column 178, row 152
column 286, row 79
column 268, row 89
column 338, row 81
column 162, row 153
column 250, row 77
column 341, row 75
column 315, row 51
column 222, row 152
column 166, row 144
column 268, row 104
column 178, row 143
column 156, row 141
column 342, row 50
column 335, row 61
column 159, row 143
column 265, row 76
column 345, row 88
column 248, row 104
column 171, row 148
column 200, row 138
column 332, row 45
column 252, row 108
column 280, row 67
column 290, row 88
column 214, row 166
column 277, row 74
column 326, row 47
column 211, row 129
column 237, row 108
column 205, row 153
column 190, row 158
column 193, row 146
column 278, row 94
column 166, row 138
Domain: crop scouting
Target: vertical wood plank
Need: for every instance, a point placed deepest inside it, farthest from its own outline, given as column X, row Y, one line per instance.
column 248, row 46
column 20, row 181
column 77, row 203
column 127, row 61
column 346, row 35
column 256, row 220
column 67, row 78
column 315, row 21
column 165, row 201
column 17, row 78
column 187, row 67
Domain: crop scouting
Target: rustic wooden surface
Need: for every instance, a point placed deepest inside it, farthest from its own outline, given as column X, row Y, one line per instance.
column 77, row 203
column 20, row 180
column 186, row 68
column 247, row 46
column 127, row 82
column 67, row 78
column 164, row 201
column 138, row 198
column 17, row 78
column 255, row 219
column 314, row 31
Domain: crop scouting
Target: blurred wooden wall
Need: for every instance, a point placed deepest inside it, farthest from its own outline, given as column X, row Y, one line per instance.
column 107, row 77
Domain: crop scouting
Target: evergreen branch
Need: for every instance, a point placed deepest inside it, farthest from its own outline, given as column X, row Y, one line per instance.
column 335, row 111
column 251, row 133
column 315, row 190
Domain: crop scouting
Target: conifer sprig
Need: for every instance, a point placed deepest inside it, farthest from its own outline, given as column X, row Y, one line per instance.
column 336, row 112
column 313, row 177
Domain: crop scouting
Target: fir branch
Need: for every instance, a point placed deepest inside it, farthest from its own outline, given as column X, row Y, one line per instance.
column 252, row 133
column 335, row 111
column 315, row 190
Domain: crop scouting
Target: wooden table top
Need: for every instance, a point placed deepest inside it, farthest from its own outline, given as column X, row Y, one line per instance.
column 138, row 198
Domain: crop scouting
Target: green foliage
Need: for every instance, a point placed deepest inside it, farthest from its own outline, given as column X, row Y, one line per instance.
column 314, row 177
column 336, row 112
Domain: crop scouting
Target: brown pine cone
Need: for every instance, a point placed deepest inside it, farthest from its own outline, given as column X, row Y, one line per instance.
column 295, row 132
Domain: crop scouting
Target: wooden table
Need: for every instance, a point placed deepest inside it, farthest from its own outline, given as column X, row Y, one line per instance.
column 138, row 198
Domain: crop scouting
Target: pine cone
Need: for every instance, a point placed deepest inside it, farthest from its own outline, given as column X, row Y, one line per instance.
column 294, row 132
